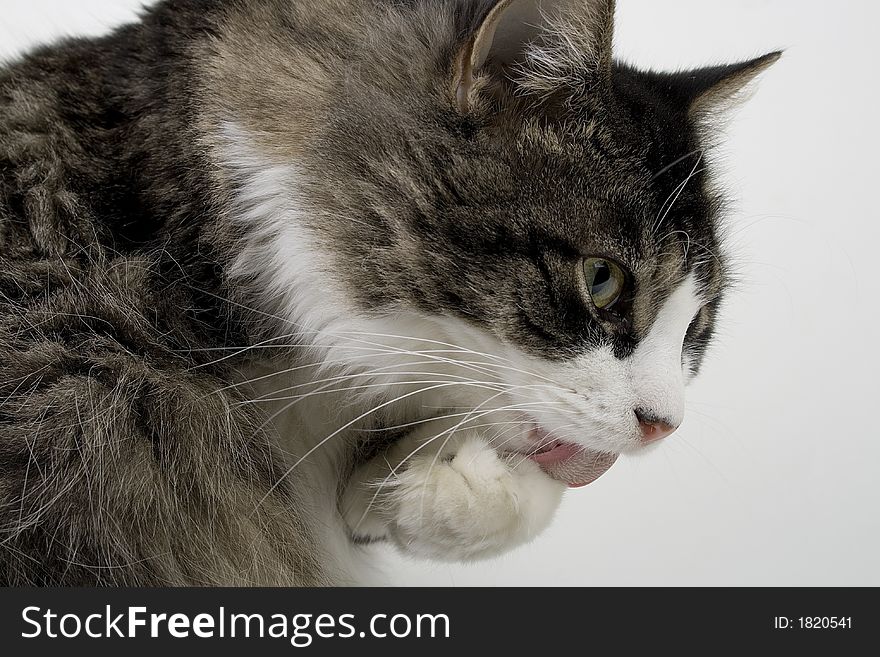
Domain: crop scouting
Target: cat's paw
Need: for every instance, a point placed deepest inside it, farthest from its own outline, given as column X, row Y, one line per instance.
column 460, row 503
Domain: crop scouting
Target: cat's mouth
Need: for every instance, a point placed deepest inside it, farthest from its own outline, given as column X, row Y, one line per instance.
column 571, row 464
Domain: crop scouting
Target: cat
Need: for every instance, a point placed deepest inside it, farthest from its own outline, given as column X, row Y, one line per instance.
column 282, row 279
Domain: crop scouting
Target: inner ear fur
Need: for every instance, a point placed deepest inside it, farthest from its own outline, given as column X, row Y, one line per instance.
column 474, row 54
column 510, row 26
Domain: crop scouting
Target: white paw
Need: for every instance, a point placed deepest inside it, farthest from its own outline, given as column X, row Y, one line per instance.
column 457, row 503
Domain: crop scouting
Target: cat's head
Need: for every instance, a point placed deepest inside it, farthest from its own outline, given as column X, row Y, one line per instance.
column 500, row 176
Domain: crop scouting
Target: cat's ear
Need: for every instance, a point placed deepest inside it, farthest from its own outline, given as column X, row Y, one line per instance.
column 709, row 90
column 507, row 28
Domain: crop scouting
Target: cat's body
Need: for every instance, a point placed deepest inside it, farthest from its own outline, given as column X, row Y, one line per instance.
column 278, row 279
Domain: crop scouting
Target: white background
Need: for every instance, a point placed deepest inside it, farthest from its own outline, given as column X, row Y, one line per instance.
column 772, row 478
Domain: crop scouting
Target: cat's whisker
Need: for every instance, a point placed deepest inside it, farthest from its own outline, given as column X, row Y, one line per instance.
column 414, row 338
column 507, row 441
column 428, row 341
column 380, row 351
column 674, row 195
column 493, row 384
column 369, row 386
column 330, row 389
column 237, row 351
column 372, row 372
column 521, row 406
column 677, row 193
column 713, row 466
column 453, row 361
column 675, row 162
column 466, row 350
column 348, row 424
column 690, row 242
column 377, row 373
column 373, row 353
column 509, row 433
column 467, row 365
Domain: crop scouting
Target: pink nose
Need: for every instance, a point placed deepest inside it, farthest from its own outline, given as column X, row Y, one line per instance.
column 653, row 428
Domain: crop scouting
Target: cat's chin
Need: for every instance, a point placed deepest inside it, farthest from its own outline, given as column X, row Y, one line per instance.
column 573, row 465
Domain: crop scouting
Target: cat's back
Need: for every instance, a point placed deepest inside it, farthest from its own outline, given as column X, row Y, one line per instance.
column 110, row 323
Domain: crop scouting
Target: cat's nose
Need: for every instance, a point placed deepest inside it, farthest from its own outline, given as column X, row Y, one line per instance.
column 653, row 428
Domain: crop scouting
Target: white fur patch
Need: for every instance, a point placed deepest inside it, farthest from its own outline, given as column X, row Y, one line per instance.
column 656, row 368
column 281, row 257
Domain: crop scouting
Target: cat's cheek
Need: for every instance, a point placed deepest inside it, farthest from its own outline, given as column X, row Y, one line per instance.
column 600, row 397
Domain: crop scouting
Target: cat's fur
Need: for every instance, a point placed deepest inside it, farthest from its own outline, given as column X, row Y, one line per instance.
column 280, row 278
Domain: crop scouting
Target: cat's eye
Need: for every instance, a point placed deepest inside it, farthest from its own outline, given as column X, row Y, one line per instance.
column 605, row 281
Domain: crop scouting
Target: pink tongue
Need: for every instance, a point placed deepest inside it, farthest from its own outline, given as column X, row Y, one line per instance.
column 573, row 465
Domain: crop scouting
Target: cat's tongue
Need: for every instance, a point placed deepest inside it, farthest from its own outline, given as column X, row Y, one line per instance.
column 572, row 464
